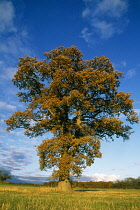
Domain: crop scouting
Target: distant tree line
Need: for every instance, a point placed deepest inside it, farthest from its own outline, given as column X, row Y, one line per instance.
column 76, row 184
column 128, row 183
column 92, row 184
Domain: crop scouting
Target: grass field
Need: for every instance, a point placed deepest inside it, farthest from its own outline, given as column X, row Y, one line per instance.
column 20, row 197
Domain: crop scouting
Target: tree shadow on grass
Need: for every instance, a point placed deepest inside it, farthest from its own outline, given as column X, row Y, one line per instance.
column 85, row 190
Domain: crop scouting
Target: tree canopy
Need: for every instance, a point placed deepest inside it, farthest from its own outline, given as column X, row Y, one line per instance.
column 4, row 175
column 75, row 99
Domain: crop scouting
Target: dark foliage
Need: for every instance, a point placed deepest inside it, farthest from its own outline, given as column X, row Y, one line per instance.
column 128, row 183
column 4, row 175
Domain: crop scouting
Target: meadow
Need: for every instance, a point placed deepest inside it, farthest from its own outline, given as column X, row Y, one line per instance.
column 26, row 197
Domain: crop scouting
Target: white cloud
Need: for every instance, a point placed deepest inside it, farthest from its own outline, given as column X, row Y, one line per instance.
column 15, row 44
column 17, row 133
column 31, row 179
column 124, row 64
column 8, row 73
column 14, row 38
column 130, row 73
column 7, row 15
column 105, row 17
column 4, row 105
column 104, row 28
column 86, row 35
column 86, row 12
column 137, row 111
column 1, row 62
column 13, row 157
column 103, row 177
column 111, row 8
column 137, row 163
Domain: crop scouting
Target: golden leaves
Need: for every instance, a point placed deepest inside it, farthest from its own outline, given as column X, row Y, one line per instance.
column 77, row 101
column 68, row 153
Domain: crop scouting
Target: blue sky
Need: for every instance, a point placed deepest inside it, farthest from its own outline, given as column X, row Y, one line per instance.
column 96, row 27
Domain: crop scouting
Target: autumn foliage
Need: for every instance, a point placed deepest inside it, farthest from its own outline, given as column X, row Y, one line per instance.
column 75, row 99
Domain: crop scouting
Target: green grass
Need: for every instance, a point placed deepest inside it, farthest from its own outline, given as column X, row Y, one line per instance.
column 20, row 197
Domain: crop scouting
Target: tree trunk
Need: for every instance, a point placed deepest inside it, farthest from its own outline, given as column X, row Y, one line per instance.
column 65, row 186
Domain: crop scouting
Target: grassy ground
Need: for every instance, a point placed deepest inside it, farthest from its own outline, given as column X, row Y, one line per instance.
column 20, row 197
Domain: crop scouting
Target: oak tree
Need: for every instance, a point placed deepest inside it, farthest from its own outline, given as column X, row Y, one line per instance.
column 75, row 99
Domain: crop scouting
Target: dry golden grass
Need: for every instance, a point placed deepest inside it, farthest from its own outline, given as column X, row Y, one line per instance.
column 14, row 197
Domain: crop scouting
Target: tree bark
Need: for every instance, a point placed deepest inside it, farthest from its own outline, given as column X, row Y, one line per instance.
column 65, row 186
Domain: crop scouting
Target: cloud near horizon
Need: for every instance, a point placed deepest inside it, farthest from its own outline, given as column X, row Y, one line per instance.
column 13, row 158
column 99, row 177
column 105, row 18
column 41, row 179
column 104, row 177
